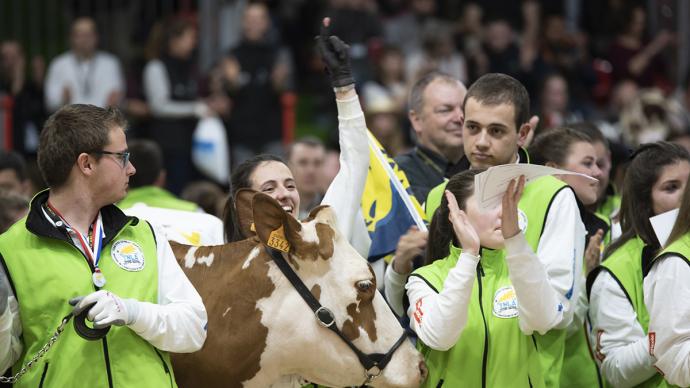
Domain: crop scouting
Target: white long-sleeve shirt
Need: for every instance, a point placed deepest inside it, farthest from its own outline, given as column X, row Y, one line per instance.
column 560, row 251
column 159, row 96
column 89, row 82
column 540, row 306
column 177, row 323
column 618, row 335
column 345, row 192
column 666, row 294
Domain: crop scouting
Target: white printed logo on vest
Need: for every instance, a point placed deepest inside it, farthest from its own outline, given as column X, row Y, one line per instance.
column 128, row 255
column 505, row 303
column 522, row 221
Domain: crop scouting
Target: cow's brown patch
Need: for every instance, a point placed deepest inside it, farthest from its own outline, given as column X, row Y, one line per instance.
column 220, row 363
column 245, row 217
column 365, row 318
column 316, row 291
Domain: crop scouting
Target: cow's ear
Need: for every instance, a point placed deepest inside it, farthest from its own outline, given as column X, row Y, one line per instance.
column 245, row 215
column 274, row 226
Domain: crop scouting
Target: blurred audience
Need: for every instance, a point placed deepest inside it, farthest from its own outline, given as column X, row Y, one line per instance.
column 305, row 158
column 207, row 195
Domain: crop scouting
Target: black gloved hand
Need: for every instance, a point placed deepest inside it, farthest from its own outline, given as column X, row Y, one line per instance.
column 335, row 55
column 4, row 291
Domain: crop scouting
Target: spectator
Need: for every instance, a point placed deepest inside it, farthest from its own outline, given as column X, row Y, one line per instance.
column 632, row 57
column 436, row 102
column 13, row 207
column 207, row 195
column 405, row 30
column 385, row 123
column 84, row 75
column 390, row 79
column 28, row 110
column 256, row 71
column 305, row 159
column 138, row 290
column 172, row 85
column 13, row 176
column 555, row 109
column 437, row 53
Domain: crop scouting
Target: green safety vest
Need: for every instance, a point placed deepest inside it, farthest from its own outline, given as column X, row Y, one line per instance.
column 625, row 266
column 491, row 350
column 611, row 205
column 46, row 272
column 433, row 200
column 156, row 197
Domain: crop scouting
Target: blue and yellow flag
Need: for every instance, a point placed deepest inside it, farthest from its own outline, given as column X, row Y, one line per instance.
column 388, row 205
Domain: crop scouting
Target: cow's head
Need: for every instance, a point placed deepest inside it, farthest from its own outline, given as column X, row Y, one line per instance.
column 342, row 281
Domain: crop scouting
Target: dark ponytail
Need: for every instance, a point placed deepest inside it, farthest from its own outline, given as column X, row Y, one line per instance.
column 241, row 179
column 441, row 233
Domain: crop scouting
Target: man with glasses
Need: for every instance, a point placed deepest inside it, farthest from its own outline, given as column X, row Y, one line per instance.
column 75, row 246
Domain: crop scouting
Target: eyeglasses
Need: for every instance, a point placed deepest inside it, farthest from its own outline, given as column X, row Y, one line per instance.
column 122, row 156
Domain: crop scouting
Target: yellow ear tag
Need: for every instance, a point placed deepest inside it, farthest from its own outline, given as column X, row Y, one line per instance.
column 252, row 228
column 277, row 240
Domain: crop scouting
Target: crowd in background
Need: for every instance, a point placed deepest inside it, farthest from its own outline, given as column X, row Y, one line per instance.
column 618, row 75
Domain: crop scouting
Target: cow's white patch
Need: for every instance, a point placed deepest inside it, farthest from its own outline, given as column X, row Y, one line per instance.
column 208, row 260
column 189, row 258
column 128, row 255
column 309, row 234
column 227, row 310
column 252, row 255
column 505, row 303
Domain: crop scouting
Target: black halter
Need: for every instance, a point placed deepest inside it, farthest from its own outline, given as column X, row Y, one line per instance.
column 373, row 363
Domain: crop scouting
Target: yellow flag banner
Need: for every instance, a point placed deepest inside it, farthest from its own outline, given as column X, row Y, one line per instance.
column 388, row 205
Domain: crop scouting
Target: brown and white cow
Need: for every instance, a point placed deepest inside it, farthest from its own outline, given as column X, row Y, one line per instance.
column 262, row 333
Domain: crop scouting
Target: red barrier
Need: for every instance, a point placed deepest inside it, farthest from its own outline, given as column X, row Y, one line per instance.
column 289, row 104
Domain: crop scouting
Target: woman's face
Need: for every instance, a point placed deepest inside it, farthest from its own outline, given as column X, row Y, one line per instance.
column 582, row 158
column 486, row 222
column 275, row 179
column 668, row 188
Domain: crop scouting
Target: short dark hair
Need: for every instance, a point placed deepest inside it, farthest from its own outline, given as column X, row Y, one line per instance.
column 554, row 145
column 147, row 158
column 591, row 130
column 11, row 160
column 71, row 131
column 309, row 141
column 10, row 204
column 495, row 89
column 416, row 98
column 241, row 179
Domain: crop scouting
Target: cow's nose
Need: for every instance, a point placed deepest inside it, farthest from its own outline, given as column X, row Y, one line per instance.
column 423, row 371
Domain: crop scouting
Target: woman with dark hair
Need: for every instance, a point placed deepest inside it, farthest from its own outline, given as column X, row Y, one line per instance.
column 172, row 84
column 653, row 184
column 571, row 150
column 482, row 289
column 270, row 174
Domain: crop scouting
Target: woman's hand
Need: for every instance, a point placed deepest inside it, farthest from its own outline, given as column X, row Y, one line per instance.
column 464, row 231
column 593, row 251
column 509, row 214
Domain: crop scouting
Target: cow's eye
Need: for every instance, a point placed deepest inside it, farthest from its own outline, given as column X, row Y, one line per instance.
column 365, row 285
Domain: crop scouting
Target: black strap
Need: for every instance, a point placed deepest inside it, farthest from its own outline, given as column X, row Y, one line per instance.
column 327, row 319
column 86, row 332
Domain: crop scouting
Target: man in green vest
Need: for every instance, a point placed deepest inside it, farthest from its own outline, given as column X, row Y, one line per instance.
column 147, row 186
column 497, row 124
column 75, row 246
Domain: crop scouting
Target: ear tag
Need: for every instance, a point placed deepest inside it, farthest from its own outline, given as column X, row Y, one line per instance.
column 277, row 240
column 252, row 228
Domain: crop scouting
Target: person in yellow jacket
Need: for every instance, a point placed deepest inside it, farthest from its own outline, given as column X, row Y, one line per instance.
column 666, row 292
column 76, row 246
column 654, row 184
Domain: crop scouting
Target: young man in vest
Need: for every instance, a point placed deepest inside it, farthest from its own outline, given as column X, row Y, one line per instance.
column 75, row 246
column 496, row 126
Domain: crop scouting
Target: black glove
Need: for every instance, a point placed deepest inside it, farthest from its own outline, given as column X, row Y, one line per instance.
column 335, row 55
column 4, row 291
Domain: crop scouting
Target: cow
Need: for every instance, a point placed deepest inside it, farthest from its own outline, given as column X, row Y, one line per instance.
column 262, row 333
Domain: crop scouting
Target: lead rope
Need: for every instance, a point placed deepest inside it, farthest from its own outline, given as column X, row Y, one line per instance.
column 40, row 354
